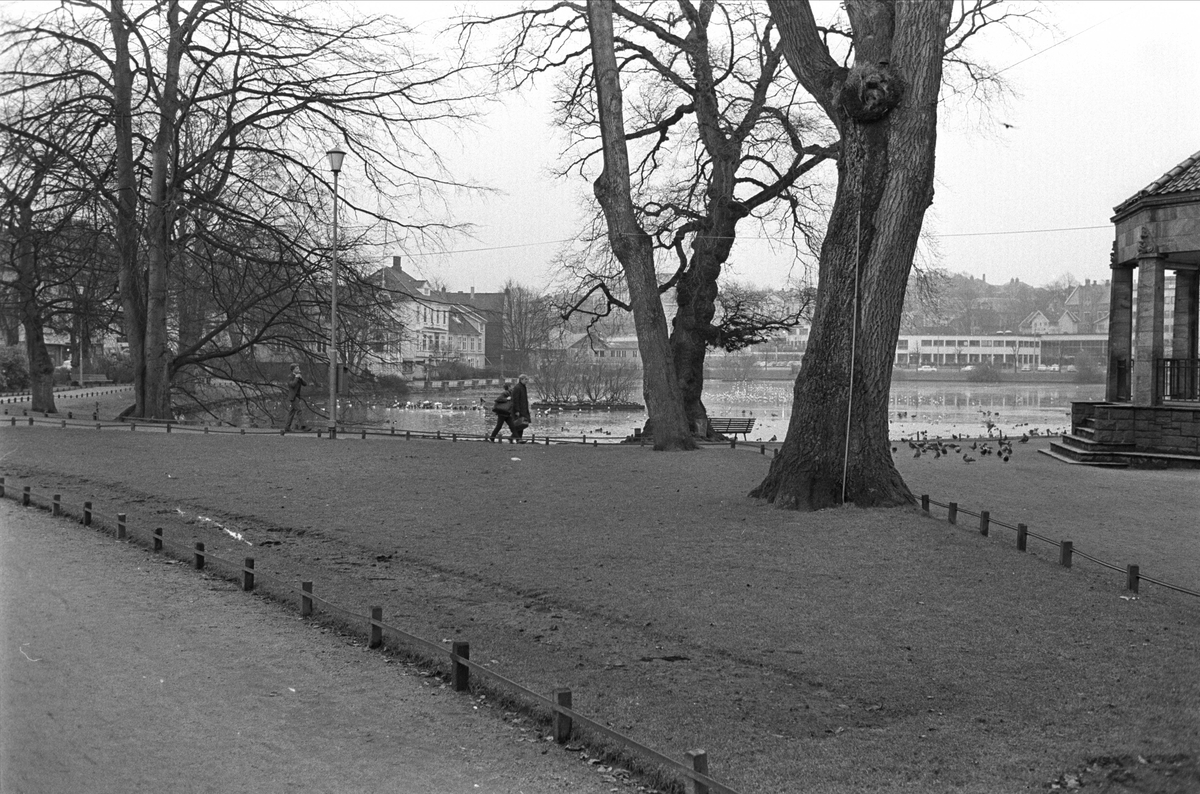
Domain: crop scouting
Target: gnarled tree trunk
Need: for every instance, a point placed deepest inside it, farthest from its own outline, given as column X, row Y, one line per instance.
column 837, row 448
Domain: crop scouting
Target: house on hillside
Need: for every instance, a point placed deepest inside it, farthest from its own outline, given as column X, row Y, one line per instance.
column 1088, row 303
column 1036, row 324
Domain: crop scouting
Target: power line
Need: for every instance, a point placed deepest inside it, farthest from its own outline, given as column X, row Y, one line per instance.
column 749, row 237
column 1025, row 231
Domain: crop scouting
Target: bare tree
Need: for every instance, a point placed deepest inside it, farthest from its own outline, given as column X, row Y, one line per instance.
column 216, row 115
column 529, row 320
column 885, row 108
column 720, row 138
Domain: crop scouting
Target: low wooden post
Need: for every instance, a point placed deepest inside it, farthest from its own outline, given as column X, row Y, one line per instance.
column 952, row 516
column 132, row 426
column 120, row 526
column 242, row 430
column 1132, row 578
column 1, row 487
column 762, row 450
column 1067, row 548
column 87, row 514
column 985, row 519
column 168, row 427
column 248, row 575
column 206, row 430
column 699, row 759
column 56, row 508
column 25, row 494
column 305, row 599
column 158, row 538
column 461, row 673
column 199, row 562
column 376, row 628
column 1022, row 537
column 64, row 423
column 454, row 437
column 438, row 435
column 925, row 502
column 407, row 435
column 364, row 434
column 562, row 722
column 733, row 442
column 31, row 421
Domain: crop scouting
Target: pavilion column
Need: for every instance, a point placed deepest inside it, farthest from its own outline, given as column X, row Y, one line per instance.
column 1148, row 347
column 1120, row 334
column 1184, row 327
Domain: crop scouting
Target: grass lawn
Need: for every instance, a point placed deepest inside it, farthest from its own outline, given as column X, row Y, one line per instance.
column 844, row 651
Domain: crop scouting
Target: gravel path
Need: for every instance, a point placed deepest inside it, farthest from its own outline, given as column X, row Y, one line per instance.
column 120, row 671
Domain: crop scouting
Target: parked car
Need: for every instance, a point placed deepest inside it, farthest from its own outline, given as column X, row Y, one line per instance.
column 969, row 368
column 926, row 368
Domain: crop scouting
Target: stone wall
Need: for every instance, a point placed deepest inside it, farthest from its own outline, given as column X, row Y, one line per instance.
column 1172, row 430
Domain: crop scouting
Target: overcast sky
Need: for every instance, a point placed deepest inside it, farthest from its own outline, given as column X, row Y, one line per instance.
column 1102, row 108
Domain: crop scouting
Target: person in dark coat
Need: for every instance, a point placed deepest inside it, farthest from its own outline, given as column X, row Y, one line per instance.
column 520, row 410
column 295, row 384
column 502, row 408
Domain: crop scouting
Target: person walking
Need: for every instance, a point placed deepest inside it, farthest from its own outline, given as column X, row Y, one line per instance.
column 502, row 408
column 295, row 384
column 520, row 409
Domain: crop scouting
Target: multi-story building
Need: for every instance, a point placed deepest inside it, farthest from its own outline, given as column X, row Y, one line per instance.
column 427, row 327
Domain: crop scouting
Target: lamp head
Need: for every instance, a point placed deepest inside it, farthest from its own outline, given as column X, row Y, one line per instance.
column 335, row 159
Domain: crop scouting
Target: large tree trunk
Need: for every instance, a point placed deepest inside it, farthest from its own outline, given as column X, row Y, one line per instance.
column 632, row 246
column 692, row 329
column 837, row 448
column 129, row 275
column 159, row 220
column 41, row 367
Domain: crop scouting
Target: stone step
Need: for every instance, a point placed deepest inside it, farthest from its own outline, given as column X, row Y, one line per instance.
column 1077, row 457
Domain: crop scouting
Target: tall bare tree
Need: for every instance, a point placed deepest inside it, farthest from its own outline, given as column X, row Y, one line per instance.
column 885, row 109
column 632, row 245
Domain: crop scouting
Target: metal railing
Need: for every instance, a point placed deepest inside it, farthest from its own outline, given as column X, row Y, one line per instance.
column 1177, row 379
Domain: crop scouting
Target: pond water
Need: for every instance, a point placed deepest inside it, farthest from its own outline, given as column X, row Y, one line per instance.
column 938, row 409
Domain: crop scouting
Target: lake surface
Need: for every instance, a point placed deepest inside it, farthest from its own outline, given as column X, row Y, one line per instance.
column 938, row 409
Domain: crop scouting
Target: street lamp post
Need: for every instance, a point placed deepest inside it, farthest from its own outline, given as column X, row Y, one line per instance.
column 335, row 165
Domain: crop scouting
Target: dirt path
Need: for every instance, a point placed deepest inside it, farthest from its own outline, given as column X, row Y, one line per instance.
column 121, row 671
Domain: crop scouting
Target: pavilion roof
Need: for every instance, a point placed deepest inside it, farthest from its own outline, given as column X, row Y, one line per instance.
column 1182, row 178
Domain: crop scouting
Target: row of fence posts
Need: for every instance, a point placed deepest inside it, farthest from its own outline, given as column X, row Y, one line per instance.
column 460, row 652
column 1066, row 548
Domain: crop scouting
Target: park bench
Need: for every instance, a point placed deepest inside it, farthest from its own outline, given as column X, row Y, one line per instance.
column 92, row 379
column 727, row 425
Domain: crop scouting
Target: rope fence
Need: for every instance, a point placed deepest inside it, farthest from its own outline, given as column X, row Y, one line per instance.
column 565, row 720
column 361, row 431
column 1066, row 548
